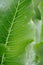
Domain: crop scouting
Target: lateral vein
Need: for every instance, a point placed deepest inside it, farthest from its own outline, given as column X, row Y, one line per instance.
column 10, row 31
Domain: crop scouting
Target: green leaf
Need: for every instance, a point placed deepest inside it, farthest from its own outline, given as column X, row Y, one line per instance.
column 38, row 23
column 2, row 50
column 38, row 48
column 16, row 30
column 37, row 13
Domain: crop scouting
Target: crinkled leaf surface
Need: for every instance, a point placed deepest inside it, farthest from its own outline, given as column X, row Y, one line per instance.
column 37, row 13
column 39, row 46
column 38, row 19
column 16, row 30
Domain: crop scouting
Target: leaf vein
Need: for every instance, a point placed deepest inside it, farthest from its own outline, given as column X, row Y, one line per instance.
column 10, row 30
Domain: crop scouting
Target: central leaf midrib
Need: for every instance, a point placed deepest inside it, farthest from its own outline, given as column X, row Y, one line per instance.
column 12, row 24
column 10, row 30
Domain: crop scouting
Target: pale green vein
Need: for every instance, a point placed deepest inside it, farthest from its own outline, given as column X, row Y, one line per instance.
column 10, row 31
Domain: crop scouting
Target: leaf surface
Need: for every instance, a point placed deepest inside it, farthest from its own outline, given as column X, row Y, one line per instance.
column 16, row 30
column 37, row 13
column 39, row 53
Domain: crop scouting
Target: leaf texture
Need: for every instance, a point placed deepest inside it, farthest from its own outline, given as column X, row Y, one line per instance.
column 39, row 53
column 16, row 30
column 37, row 13
column 38, row 48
